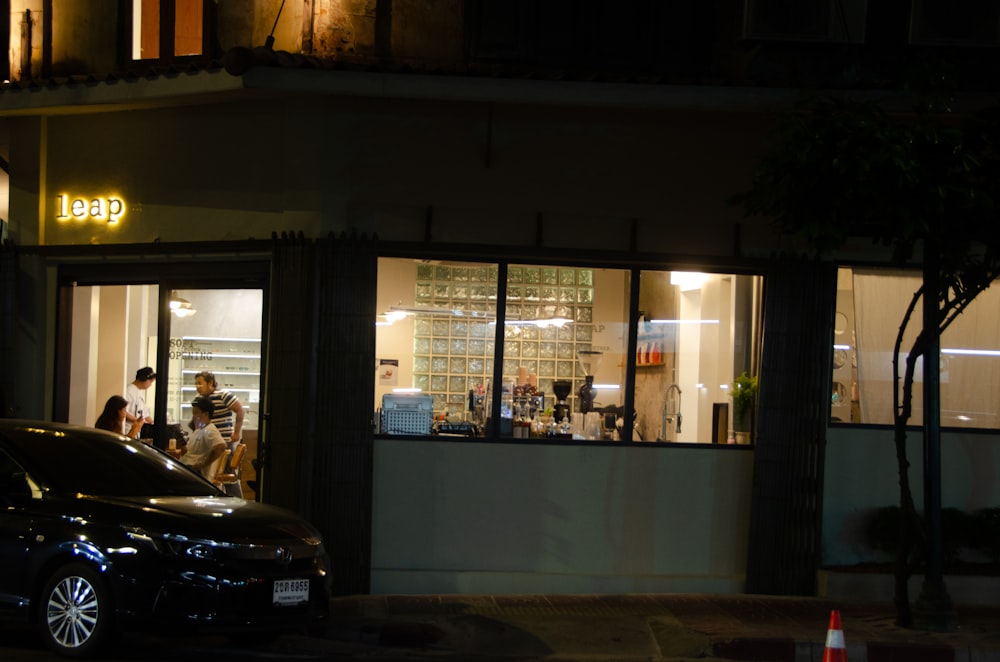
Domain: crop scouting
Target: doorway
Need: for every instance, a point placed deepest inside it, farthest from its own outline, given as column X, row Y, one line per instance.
column 114, row 330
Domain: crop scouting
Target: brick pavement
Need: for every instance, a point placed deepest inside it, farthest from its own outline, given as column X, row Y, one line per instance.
column 642, row 627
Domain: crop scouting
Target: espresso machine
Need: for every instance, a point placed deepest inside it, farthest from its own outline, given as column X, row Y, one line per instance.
column 561, row 389
column 590, row 361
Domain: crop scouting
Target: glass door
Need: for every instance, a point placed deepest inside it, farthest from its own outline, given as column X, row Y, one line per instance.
column 215, row 333
column 113, row 337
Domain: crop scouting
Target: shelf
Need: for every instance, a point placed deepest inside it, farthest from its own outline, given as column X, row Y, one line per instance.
column 235, row 370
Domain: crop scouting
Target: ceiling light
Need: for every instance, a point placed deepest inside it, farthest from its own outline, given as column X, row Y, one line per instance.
column 180, row 306
column 688, row 280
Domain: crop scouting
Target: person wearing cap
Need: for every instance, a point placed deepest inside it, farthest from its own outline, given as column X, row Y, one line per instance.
column 135, row 393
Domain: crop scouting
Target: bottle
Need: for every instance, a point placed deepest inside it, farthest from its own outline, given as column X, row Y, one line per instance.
column 537, row 428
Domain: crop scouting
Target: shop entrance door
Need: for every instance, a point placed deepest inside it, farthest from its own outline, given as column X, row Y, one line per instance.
column 109, row 330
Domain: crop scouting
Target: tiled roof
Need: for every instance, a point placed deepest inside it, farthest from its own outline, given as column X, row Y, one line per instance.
column 148, row 73
column 261, row 68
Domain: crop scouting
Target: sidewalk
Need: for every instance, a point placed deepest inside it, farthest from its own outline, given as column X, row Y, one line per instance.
column 638, row 627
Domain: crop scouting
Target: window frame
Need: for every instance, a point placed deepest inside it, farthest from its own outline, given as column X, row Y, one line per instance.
column 632, row 272
column 167, row 34
column 852, row 357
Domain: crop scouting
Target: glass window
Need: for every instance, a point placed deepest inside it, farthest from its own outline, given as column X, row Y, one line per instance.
column 697, row 333
column 185, row 29
column 434, row 344
column 870, row 308
column 564, row 351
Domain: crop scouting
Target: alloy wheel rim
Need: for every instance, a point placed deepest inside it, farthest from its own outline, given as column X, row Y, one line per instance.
column 72, row 611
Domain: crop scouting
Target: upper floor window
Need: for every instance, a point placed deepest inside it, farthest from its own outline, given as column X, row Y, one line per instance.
column 164, row 29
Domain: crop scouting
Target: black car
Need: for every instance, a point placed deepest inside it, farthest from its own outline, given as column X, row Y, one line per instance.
column 99, row 532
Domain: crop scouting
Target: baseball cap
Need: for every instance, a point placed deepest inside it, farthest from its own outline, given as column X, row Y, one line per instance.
column 142, row 374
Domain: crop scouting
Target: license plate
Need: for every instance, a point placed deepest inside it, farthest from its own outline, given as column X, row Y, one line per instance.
column 290, row 591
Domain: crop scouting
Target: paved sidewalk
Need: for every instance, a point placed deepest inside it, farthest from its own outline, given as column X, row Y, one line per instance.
column 637, row 627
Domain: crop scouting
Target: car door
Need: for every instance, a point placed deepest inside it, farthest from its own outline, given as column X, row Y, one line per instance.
column 15, row 529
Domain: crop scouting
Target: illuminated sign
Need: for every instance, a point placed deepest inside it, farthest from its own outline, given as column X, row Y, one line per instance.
column 103, row 210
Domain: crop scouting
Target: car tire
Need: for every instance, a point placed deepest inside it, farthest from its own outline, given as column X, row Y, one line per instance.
column 75, row 613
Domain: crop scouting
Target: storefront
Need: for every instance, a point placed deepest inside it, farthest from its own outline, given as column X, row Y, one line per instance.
column 520, row 249
column 276, row 251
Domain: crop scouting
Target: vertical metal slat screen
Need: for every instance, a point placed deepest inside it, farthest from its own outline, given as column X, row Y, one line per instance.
column 7, row 326
column 286, row 433
column 793, row 410
column 345, row 381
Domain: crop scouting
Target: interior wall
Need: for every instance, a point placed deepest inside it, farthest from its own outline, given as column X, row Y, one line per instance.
column 657, row 300
column 395, row 342
column 112, row 373
column 83, row 356
column 457, row 517
column 610, row 334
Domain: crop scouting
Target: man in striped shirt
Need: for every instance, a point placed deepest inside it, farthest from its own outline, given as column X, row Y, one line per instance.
column 227, row 407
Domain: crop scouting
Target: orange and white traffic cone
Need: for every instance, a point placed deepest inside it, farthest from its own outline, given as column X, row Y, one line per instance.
column 835, row 650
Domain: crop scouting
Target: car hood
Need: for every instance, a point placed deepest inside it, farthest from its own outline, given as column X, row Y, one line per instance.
column 212, row 516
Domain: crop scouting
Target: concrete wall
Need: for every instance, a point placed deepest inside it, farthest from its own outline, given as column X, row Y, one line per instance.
column 238, row 171
column 861, row 476
column 459, row 517
column 84, row 37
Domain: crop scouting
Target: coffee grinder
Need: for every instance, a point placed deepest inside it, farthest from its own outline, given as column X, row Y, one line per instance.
column 590, row 361
column 561, row 389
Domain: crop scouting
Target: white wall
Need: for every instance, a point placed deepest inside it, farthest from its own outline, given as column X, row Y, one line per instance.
column 459, row 517
column 861, row 476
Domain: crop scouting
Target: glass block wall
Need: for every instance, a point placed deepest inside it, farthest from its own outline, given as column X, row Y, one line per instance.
column 453, row 354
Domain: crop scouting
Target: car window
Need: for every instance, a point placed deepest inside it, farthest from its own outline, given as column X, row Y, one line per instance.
column 102, row 464
column 13, row 480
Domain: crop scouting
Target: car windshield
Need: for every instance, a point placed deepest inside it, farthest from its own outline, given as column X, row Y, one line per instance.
column 97, row 463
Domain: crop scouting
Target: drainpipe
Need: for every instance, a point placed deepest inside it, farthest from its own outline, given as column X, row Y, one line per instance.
column 25, row 72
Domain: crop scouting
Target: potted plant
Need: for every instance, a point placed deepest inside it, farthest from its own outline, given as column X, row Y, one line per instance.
column 744, row 392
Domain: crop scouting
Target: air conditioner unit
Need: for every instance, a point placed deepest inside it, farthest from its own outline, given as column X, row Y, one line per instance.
column 805, row 20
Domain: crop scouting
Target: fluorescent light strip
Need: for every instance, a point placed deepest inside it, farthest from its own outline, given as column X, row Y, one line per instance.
column 683, row 321
column 972, row 352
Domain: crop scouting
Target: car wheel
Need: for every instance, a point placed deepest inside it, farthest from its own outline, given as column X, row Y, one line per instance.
column 75, row 611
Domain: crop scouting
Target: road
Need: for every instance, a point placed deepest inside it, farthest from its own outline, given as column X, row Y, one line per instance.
column 22, row 644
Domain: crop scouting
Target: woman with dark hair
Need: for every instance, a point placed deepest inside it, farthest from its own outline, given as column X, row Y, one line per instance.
column 113, row 416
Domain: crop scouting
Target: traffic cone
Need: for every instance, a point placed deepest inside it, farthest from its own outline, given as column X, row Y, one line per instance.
column 835, row 650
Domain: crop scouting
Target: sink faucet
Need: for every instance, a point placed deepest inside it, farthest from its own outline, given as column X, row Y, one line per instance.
column 671, row 413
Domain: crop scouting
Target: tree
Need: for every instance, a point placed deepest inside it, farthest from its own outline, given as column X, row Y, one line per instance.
column 925, row 184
